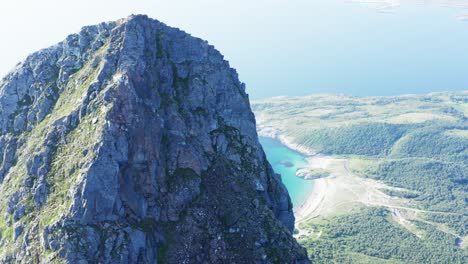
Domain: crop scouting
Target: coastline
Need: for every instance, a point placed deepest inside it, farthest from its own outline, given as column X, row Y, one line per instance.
column 288, row 142
column 313, row 202
column 319, row 188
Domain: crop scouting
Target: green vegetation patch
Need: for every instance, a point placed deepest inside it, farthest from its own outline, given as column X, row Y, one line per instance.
column 371, row 236
column 370, row 139
column 416, row 144
column 433, row 142
column 440, row 184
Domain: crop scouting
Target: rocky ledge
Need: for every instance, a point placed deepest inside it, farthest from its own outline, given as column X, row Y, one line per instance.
column 134, row 142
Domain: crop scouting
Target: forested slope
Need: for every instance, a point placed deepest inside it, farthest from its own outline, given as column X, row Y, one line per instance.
column 417, row 145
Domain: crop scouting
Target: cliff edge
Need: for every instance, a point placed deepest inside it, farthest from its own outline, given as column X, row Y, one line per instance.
column 134, row 142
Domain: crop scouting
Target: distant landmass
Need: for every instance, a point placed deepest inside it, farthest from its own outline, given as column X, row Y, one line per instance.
column 388, row 5
column 392, row 5
column 398, row 165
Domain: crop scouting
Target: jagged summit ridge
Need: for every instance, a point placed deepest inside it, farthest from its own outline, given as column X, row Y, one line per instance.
column 133, row 142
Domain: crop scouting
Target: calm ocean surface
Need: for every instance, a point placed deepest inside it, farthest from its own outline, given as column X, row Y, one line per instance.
column 335, row 46
column 341, row 47
column 276, row 153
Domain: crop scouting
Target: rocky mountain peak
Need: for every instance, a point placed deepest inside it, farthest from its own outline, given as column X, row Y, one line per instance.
column 134, row 142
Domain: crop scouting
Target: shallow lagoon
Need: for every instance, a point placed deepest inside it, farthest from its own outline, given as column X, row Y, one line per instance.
column 286, row 161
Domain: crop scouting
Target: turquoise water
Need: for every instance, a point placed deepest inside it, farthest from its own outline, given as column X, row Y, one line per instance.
column 277, row 154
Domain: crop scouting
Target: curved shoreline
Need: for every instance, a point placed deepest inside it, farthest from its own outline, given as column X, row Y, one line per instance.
column 313, row 202
column 287, row 142
column 319, row 188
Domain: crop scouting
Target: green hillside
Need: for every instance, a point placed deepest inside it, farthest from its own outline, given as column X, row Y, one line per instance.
column 370, row 236
column 416, row 145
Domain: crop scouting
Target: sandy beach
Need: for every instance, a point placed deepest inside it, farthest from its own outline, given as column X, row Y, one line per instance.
column 319, row 188
column 314, row 200
column 340, row 191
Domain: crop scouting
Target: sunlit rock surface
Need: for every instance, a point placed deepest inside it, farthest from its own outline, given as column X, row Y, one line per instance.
column 133, row 142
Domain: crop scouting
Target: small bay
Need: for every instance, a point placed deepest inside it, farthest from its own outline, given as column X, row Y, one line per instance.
column 286, row 161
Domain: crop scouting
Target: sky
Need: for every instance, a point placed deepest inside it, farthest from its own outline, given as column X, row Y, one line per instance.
column 279, row 47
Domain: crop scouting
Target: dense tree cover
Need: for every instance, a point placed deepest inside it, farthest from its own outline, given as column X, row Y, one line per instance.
column 426, row 160
column 423, row 149
column 433, row 141
column 370, row 233
column 457, row 222
column 437, row 182
column 434, row 164
column 401, row 194
column 381, row 139
column 361, row 139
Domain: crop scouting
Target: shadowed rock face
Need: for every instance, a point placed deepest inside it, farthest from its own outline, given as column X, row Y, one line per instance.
column 133, row 142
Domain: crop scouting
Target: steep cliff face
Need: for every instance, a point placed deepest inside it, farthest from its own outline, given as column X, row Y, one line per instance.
column 133, row 142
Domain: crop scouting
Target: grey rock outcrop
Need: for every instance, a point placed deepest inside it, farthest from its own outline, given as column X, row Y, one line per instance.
column 134, row 142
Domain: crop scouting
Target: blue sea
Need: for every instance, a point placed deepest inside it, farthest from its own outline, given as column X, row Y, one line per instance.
column 277, row 154
column 336, row 46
